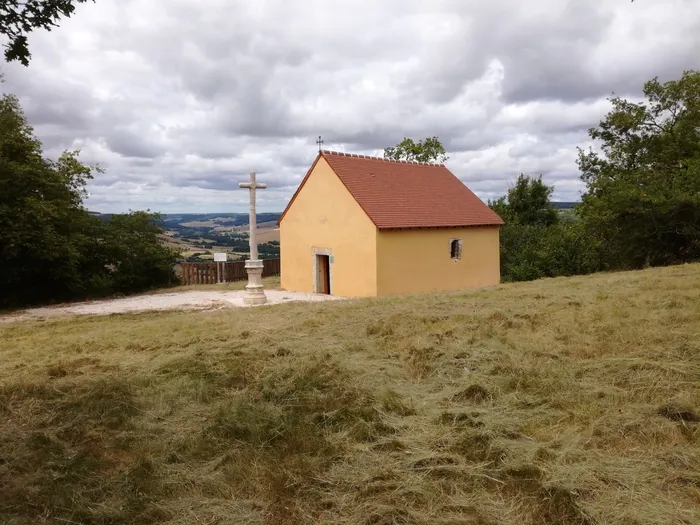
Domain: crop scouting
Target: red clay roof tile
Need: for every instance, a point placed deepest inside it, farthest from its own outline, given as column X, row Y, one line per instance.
column 401, row 194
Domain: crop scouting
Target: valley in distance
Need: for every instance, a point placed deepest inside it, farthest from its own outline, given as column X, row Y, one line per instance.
column 198, row 235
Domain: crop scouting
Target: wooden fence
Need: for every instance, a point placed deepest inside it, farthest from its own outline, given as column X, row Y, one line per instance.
column 222, row 272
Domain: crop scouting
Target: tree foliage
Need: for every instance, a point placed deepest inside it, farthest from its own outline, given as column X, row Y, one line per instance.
column 40, row 210
column 142, row 262
column 534, row 243
column 643, row 187
column 429, row 150
column 20, row 17
column 51, row 248
column 642, row 204
column 528, row 202
column 531, row 251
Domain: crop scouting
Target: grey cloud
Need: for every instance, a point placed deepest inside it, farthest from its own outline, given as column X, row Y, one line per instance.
column 530, row 149
column 130, row 144
column 53, row 140
column 545, row 56
column 563, row 57
column 179, row 100
column 142, row 162
column 60, row 106
column 227, row 181
column 472, row 140
column 362, row 139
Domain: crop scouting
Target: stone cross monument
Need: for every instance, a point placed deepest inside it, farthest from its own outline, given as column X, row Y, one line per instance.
column 254, row 292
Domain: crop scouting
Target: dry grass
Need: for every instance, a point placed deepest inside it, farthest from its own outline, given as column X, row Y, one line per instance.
column 566, row 401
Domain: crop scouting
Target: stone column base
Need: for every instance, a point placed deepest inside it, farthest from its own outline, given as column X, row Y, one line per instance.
column 254, row 291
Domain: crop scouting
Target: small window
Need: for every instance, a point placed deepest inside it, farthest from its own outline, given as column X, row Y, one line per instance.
column 456, row 249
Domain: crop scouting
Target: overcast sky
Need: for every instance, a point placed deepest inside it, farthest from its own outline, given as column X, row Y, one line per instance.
column 179, row 99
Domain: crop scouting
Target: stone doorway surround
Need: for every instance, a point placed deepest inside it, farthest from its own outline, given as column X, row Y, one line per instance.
column 315, row 252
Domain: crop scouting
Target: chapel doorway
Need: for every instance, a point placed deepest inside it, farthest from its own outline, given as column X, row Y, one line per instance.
column 323, row 274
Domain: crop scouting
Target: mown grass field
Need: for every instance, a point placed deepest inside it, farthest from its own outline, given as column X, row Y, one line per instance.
column 566, row 401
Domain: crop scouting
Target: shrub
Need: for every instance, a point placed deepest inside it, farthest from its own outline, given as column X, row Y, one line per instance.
column 531, row 252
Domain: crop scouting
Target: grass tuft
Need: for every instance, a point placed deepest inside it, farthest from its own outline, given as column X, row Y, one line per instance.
column 106, row 404
column 479, row 447
column 473, row 393
column 563, row 401
column 558, row 505
column 392, row 403
column 676, row 412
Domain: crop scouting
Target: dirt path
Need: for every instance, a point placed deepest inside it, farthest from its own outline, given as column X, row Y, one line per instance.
column 192, row 300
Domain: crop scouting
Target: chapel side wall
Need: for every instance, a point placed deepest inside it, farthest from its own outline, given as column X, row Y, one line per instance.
column 418, row 261
column 325, row 216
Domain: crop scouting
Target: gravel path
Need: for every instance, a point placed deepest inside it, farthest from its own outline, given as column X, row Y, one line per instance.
column 194, row 300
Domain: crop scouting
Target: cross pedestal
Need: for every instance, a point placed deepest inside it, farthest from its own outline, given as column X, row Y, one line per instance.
column 254, row 291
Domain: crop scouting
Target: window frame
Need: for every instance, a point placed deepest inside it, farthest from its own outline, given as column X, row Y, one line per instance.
column 456, row 249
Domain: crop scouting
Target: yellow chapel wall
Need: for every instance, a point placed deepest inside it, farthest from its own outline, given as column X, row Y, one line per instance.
column 419, row 261
column 324, row 216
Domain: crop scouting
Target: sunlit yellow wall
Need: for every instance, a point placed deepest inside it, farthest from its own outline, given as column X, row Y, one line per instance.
column 325, row 215
column 418, row 261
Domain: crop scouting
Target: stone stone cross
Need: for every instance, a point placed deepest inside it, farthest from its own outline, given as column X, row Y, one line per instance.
column 254, row 292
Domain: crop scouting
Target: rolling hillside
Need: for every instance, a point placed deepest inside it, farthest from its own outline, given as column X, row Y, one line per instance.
column 565, row 401
column 197, row 236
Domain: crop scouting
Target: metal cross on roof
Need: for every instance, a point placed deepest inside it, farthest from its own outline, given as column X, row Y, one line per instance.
column 319, row 142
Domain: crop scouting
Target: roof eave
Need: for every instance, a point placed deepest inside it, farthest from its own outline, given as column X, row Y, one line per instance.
column 440, row 227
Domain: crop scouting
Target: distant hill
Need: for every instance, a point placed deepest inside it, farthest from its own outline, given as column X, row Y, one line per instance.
column 229, row 219
column 101, row 216
column 241, row 219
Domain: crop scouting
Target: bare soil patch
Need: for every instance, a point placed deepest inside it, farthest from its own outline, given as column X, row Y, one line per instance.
column 186, row 300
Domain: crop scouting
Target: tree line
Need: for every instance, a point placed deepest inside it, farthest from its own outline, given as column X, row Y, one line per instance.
column 51, row 248
column 641, row 205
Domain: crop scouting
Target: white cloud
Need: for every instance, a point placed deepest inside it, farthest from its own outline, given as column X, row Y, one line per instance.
column 179, row 100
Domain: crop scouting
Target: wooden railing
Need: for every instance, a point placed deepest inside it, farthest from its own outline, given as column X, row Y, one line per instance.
column 222, row 272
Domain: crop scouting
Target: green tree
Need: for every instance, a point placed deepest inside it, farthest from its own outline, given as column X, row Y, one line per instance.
column 429, row 150
column 534, row 242
column 51, row 248
column 533, row 251
column 41, row 213
column 643, row 186
column 138, row 258
column 528, row 202
column 20, row 17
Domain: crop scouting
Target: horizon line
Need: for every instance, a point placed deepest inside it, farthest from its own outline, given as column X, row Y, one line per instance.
column 239, row 212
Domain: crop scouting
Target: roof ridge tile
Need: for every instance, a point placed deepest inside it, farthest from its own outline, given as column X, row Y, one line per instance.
column 371, row 157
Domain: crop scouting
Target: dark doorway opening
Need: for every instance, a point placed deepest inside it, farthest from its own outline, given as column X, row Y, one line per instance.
column 323, row 276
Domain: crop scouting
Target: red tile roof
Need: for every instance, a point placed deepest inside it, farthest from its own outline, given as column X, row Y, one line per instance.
column 400, row 194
